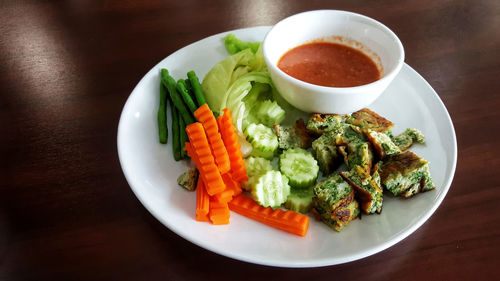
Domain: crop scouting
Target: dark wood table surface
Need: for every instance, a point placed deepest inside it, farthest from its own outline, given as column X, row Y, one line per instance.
column 67, row 68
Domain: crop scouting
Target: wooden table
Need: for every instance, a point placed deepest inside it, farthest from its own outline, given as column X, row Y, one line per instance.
column 67, row 68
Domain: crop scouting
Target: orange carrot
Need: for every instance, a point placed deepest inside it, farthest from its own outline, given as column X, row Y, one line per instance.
column 285, row 220
column 232, row 189
column 233, row 147
column 207, row 119
column 219, row 212
column 202, row 201
column 199, row 150
column 231, row 184
column 224, row 196
column 207, row 206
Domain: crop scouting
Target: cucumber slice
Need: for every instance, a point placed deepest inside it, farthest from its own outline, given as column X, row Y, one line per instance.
column 300, row 200
column 264, row 141
column 246, row 147
column 271, row 189
column 300, row 167
column 269, row 113
column 256, row 166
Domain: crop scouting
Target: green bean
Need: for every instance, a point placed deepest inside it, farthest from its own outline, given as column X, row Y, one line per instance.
column 195, row 84
column 170, row 84
column 183, row 138
column 176, row 150
column 162, row 115
column 181, row 89
column 189, row 88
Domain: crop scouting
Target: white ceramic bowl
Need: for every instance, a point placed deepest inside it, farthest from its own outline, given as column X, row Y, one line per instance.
column 358, row 31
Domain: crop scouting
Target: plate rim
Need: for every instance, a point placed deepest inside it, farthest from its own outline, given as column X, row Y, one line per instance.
column 303, row 264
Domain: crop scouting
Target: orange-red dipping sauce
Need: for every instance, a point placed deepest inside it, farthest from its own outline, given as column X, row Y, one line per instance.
column 329, row 64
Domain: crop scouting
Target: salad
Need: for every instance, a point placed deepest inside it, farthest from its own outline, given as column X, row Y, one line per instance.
column 230, row 125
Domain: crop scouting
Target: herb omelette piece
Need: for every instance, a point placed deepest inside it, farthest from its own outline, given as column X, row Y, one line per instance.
column 406, row 174
column 341, row 216
column 368, row 192
column 325, row 151
column 320, row 123
column 348, row 133
column 357, row 153
column 407, row 138
column 291, row 137
column 332, row 200
column 367, row 119
column 382, row 143
column 188, row 179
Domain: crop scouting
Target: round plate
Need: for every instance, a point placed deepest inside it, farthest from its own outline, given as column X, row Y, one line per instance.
column 409, row 102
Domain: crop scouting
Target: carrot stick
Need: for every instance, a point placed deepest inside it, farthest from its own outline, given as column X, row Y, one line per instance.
column 224, row 196
column 219, row 212
column 207, row 119
column 233, row 147
column 202, row 201
column 231, row 184
column 232, row 189
column 213, row 208
column 285, row 220
column 199, row 150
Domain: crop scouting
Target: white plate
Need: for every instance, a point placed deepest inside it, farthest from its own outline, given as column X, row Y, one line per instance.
column 151, row 172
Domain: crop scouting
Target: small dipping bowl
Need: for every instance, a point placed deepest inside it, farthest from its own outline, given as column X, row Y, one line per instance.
column 354, row 30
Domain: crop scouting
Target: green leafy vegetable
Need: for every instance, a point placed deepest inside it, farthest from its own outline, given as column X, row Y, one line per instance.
column 241, row 82
column 239, row 90
column 235, row 45
column 222, row 75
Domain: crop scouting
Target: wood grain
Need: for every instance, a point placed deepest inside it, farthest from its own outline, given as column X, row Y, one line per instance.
column 67, row 68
